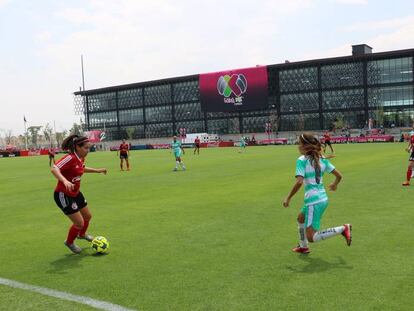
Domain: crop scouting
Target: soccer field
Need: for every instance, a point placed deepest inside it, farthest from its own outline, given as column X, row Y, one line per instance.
column 215, row 237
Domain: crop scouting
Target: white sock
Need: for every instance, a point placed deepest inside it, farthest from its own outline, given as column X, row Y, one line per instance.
column 176, row 164
column 182, row 164
column 327, row 233
column 303, row 241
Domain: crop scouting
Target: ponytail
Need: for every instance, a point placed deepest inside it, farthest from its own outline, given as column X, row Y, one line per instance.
column 312, row 148
column 69, row 143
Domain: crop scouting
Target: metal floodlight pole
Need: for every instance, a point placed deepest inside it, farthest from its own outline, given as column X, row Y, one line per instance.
column 83, row 74
column 25, row 133
column 54, row 129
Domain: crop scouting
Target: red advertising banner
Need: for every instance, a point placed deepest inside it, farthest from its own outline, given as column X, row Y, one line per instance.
column 234, row 90
column 94, row 136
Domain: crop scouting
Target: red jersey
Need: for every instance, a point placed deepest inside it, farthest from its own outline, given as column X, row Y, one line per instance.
column 123, row 148
column 51, row 152
column 327, row 136
column 197, row 141
column 72, row 168
column 412, row 140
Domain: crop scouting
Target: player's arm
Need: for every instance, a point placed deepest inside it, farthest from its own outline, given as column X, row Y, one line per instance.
column 298, row 184
column 338, row 178
column 56, row 172
column 95, row 170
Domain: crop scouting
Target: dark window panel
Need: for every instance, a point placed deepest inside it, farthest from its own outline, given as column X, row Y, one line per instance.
column 300, row 122
column 342, row 75
column 186, row 91
column 298, row 79
column 188, row 111
column 131, row 116
column 130, row 98
column 390, row 96
column 157, row 114
column 224, row 126
column 157, row 95
column 299, row 102
column 191, row 126
column 394, row 70
column 343, row 99
column 254, row 124
column 159, row 130
column 105, row 101
column 101, row 119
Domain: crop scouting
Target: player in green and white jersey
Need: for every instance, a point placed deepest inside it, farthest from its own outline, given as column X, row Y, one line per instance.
column 178, row 150
column 310, row 168
column 242, row 144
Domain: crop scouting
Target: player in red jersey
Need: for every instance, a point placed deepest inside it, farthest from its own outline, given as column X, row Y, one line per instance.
column 68, row 171
column 410, row 149
column 124, row 154
column 327, row 141
column 51, row 154
column 197, row 145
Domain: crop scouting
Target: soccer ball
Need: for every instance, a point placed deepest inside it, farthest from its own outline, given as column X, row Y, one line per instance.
column 100, row 244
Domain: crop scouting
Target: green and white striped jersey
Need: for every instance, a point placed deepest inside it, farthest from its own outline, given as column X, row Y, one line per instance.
column 314, row 193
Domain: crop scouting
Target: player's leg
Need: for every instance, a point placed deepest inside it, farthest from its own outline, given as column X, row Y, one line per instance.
column 181, row 163
column 77, row 225
column 122, row 163
column 127, row 163
column 409, row 170
column 303, row 241
column 86, row 215
column 198, row 150
column 313, row 221
column 330, row 146
column 177, row 162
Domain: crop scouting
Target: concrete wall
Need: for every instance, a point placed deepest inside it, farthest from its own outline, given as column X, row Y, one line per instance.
column 291, row 136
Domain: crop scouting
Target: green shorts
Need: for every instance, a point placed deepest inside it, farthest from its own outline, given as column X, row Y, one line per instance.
column 177, row 153
column 313, row 214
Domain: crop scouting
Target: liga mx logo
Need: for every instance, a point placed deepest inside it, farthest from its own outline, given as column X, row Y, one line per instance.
column 235, row 85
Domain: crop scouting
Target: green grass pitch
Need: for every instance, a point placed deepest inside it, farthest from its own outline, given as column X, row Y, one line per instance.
column 215, row 237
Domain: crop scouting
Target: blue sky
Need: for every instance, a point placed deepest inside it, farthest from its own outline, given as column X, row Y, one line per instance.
column 128, row 41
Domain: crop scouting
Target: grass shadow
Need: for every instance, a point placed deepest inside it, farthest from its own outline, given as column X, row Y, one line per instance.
column 69, row 262
column 317, row 265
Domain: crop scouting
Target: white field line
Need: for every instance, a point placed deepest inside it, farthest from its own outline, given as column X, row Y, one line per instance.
column 98, row 304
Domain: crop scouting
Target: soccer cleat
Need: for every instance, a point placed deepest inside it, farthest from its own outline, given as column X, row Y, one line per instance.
column 86, row 237
column 73, row 247
column 348, row 234
column 406, row 183
column 175, row 169
column 302, row 250
column 184, row 168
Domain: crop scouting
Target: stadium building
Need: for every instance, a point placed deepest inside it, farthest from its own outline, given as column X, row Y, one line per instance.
column 292, row 96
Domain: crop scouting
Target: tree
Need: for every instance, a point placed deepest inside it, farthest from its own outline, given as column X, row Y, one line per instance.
column 338, row 123
column 76, row 129
column 8, row 134
column 47, row 133
column 34, row 134
column 130, row 132
column 379, row 116
column 60, row 136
